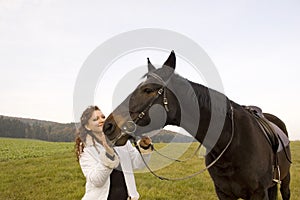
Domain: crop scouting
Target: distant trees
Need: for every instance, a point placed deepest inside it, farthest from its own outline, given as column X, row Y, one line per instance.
column 35, row 129
column 58, row 132
column 12, row 128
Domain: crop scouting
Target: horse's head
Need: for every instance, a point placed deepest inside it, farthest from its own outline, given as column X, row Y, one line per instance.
column 151, row 106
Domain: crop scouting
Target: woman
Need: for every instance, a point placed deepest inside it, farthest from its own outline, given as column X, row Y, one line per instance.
column 100, row 163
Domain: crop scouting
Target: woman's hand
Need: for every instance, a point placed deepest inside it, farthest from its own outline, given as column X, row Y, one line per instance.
column 145, row 142
column 101, row 137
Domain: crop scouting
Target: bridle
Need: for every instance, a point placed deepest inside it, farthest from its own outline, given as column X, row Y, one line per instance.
column 162, row 91
column 129, row 127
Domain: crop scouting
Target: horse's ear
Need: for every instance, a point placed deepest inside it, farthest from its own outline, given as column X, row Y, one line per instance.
column 151, row 67
column 171, row 61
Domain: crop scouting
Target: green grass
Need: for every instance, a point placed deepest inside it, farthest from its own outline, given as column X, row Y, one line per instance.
column 32, row 169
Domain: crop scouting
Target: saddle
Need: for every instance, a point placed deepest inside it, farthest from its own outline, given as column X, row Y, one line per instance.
column 274, row 135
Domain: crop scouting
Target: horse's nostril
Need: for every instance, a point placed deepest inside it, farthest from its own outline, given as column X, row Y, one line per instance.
column 108, row 128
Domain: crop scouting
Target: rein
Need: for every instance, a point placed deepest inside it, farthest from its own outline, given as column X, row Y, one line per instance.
column 199, row 172
column 177, row 160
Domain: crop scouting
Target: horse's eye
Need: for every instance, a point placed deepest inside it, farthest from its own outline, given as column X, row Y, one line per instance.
column 148, row 90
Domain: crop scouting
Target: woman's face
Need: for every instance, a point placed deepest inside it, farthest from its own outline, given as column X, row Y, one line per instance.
column 95, row 123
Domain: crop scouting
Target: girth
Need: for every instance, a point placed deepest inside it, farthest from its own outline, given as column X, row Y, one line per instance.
column 270, row 134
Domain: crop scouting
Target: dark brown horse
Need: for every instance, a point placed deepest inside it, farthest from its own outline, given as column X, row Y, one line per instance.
column 246, row 166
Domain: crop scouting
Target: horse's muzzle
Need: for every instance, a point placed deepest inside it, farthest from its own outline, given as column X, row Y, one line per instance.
column 109, row 129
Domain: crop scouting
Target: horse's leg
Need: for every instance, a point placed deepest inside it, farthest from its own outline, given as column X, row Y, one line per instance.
column 285, row 187
column 273, row 192
column 222, row 196
column 260, row 194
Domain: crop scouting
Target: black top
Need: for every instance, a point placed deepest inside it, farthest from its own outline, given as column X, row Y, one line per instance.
column 118, row 189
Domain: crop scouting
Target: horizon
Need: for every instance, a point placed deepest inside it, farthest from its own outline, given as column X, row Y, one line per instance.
column 173, row 129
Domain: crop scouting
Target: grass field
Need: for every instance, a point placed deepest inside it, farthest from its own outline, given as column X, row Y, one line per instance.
column 32, row 169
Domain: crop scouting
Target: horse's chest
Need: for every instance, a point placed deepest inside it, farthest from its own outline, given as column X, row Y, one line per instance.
column 229, row 181
column 222, row 170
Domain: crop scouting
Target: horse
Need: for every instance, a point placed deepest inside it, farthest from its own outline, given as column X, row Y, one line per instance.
column 243, row 161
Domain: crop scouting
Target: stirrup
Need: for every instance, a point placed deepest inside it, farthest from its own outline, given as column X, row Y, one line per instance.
column 274, row 175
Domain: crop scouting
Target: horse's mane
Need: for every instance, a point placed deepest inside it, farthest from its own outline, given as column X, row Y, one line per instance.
column 202, row 94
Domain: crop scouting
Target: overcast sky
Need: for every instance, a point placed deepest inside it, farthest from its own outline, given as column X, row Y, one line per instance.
column 254, row 45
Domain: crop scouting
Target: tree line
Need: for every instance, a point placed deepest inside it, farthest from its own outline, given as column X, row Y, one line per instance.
column 59, row 132
column 36, row 129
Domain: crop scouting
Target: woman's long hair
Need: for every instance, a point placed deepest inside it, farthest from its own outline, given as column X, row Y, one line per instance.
column 82, row 132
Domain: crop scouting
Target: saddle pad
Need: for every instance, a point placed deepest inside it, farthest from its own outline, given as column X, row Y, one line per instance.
column 282, row 136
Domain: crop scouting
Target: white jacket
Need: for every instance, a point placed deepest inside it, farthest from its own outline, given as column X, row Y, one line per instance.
column 97, row 168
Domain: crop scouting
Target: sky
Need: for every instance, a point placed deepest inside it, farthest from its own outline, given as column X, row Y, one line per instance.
column 254, row 45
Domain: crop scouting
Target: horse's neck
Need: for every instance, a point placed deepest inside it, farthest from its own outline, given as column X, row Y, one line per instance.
column 192, row 98
column 203, row 111
column 198, row 112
